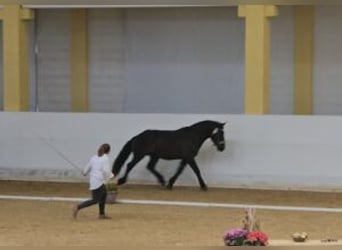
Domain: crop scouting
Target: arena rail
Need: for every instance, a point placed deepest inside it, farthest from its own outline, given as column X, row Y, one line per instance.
column 179, row 203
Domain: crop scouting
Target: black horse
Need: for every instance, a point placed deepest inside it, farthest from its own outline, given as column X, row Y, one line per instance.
column 183, row 144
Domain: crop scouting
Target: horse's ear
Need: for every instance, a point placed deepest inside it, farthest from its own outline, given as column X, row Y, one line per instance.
column 223, row 124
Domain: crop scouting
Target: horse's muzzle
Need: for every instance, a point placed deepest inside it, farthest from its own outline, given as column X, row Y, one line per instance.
column 221, row 147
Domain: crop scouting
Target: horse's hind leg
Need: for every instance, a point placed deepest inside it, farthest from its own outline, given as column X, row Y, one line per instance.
column 151, row 166
column 195, row 168
column 130, row 166
column 176, row 175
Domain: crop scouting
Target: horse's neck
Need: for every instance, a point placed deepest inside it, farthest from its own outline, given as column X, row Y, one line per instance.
column 203, row 134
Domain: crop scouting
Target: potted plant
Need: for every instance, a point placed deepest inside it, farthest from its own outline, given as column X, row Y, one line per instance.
column 112, row 191
column 249, row 234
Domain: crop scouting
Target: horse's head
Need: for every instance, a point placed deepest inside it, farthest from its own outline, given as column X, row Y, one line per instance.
column 217, row 137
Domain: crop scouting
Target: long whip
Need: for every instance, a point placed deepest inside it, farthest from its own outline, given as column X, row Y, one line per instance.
column 60, row 153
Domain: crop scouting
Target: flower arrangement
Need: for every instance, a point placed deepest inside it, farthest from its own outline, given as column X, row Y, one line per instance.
column 256, row 238
column 241, row 237
column 235, row 237
column 249, row 235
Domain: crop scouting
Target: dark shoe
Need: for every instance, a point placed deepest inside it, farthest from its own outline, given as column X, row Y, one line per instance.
column 75, row 212
column 104, row 217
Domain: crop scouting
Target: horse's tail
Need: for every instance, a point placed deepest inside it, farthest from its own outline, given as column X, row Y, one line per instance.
column 122, row 157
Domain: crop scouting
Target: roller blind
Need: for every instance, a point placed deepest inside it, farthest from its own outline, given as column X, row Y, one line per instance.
column 53, row 60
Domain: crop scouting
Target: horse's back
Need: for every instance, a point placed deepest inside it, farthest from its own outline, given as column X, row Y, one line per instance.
column 167, row 144
column 159, row 137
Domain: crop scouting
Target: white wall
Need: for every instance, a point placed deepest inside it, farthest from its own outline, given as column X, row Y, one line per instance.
column 286, row 152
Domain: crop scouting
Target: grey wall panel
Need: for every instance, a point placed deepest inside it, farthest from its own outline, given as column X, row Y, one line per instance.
column 106, row 60
column 184, row 61
column 53, row 61
column 328, row 61
column 32, row 66
column 282, row 73
column 1, row 70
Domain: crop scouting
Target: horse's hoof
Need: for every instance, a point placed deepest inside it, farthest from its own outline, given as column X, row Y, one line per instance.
column 204, row 188
column 168, row 187
column 121, row 181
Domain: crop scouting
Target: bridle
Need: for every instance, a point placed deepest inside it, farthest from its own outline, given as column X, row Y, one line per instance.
column 216, row 131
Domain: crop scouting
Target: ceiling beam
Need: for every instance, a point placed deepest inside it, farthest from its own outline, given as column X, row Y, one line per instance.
column 158, row 3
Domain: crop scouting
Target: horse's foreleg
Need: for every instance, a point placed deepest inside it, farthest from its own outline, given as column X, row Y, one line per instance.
column 130, row 166
column 174, row 178
column 195, row 168
column 151, row 167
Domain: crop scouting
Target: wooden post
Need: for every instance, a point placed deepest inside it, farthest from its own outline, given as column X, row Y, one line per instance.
column 304, row 47
column 16, row 61
column 257, row 56
column 79, row 60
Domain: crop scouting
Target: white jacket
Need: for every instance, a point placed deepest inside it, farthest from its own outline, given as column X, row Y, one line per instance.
column 99, row 171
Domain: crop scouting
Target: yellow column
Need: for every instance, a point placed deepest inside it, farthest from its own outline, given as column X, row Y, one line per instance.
column 303, row 59
column 257, row 56
column 15, row 57
column 79, row 60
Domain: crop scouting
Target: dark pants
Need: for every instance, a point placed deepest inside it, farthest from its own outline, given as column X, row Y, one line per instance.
column 99, row 196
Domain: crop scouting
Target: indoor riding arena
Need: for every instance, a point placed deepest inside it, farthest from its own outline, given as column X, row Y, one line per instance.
column 223, row 119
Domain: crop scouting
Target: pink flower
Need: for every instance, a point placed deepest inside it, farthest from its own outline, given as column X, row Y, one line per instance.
column 235, row 233
column 235, row 237
column 257, row 236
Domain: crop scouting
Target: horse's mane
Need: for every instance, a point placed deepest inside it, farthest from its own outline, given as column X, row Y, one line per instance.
column 206, row 123
column 202, row 124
